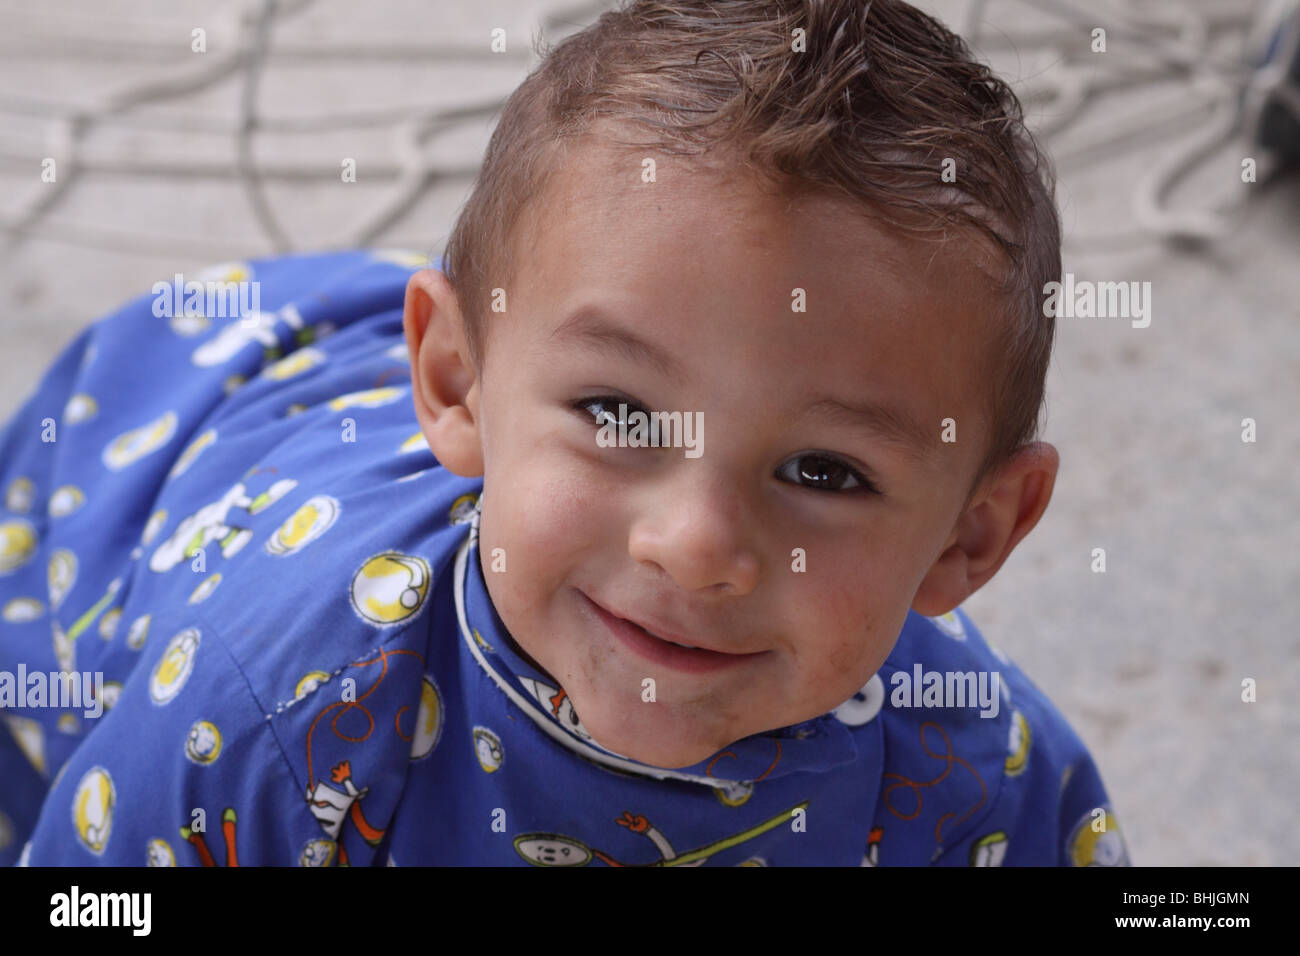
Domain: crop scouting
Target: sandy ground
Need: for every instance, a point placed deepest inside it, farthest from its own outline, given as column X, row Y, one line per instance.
column 1199, row 528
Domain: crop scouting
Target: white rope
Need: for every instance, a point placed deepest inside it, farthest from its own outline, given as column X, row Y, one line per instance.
column 1207, row 43
column 410, row 173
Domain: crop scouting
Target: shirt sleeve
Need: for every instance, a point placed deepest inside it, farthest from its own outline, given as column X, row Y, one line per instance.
column 26, row 467
column 119, row 414
column 1051, row 808
column 149, row 785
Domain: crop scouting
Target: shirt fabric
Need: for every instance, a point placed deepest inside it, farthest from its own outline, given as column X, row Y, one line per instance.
column 238, row 524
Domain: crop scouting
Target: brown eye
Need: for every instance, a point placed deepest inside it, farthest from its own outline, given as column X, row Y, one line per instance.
column 823, row 473
column 608, row 410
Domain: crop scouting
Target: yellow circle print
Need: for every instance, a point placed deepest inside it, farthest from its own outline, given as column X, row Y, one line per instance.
column 92, row 809
column 390, row 588
column 203, row 744
column 174, row 667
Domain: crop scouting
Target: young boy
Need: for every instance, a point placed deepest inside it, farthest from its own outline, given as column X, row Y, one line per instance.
column 523, row 607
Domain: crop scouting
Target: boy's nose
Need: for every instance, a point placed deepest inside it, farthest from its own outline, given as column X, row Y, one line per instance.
column 699, row 532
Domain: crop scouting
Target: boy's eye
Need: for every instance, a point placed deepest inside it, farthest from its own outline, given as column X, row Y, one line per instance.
column 825, row 473
column 608, row 405
column 815, row 471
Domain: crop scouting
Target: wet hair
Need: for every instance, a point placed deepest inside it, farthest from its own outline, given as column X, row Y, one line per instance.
column 867, row 102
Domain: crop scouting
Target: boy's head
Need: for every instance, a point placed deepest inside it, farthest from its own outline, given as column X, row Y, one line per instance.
column 821, row 228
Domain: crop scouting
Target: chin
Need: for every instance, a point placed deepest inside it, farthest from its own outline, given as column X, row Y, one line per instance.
column 671, row 754
column 669, row 759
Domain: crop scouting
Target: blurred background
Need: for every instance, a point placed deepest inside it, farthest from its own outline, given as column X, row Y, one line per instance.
column 169, row 158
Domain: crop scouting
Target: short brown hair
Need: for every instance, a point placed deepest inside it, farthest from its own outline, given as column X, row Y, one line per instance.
column 868, row 110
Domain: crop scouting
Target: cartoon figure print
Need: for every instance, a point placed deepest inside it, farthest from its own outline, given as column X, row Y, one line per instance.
column 872, row 856
column 209, row 524
column 196, row 839
column 557, row 704
column 556, row 849
column 332, row 806
column 337, row 801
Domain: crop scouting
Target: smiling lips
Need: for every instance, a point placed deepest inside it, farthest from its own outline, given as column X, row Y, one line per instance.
column 661, row 650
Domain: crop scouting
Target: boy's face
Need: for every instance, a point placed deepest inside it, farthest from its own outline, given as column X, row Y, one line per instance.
column 765, row 549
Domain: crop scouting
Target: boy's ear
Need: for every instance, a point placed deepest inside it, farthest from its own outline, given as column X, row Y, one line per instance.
column 444, row 384
column 998, row 517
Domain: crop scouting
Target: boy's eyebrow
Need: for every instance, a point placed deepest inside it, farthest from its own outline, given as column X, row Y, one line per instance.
column 889, row 422
column 589, row 326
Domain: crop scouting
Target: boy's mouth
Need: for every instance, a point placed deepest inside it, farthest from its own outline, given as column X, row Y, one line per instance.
column 664, row 648
column 689, row 647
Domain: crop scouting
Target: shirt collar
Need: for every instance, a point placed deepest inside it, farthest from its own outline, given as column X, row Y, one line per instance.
column 814, row 745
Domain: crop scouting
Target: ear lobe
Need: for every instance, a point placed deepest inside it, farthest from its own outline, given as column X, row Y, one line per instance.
column 997, row 519
column 444, row 386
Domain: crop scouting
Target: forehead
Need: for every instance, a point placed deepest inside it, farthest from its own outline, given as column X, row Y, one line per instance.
column 741, row 281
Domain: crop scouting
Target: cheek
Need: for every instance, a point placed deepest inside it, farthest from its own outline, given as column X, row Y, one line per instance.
column 537, row 513
column 852, row 632
column 552, row 498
